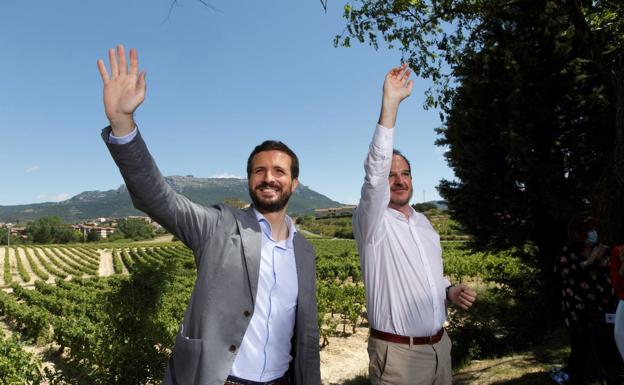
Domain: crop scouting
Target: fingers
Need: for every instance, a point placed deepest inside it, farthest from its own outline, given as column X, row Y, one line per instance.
column 465, row 304
column 103, row 71
column 112, row 59
column 141, row 83
column 466, row 297
column 402, row 74
column 121, row 55
column 396, row 71
column 405, row 75
column 134, row 61
column 410, row 86
column 118, row 64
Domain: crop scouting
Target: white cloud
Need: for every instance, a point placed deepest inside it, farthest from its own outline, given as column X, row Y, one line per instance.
column 32, row 168
column 52, row 198
column 226, row 175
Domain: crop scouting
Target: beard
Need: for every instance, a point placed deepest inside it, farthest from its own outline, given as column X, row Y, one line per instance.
column 399, row 202
column 269, row 205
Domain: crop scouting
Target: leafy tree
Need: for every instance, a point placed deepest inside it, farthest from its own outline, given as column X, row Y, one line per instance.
column 3, row 237
column 532, row 101
column 425, row 206
column 135, row 228
column 51, row 230
column 93, row 236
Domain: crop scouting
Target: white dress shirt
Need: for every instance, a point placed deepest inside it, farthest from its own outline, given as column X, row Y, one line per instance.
column 264, row 353
column 401, row 257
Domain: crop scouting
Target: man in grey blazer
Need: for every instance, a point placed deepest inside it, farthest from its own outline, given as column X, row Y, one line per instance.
column 252, row 317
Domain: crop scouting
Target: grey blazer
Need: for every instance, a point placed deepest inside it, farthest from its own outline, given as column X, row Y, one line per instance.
column 226, row 243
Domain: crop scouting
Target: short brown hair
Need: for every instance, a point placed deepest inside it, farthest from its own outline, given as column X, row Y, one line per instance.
column 275, row 145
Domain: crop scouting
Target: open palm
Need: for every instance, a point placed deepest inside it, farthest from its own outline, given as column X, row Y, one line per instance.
column 124, row 90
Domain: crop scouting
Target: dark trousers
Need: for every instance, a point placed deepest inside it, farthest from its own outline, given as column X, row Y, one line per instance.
column 595, row 342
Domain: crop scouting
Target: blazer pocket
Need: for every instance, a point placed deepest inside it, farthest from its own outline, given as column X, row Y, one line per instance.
column 184, row 364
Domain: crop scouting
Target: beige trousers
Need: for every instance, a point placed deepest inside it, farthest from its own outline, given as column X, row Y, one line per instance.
column 400, row 364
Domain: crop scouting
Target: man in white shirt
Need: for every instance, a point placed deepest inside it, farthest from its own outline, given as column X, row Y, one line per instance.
column 401, row 260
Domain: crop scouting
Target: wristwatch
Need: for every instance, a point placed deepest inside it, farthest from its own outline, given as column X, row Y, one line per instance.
column 447, row 291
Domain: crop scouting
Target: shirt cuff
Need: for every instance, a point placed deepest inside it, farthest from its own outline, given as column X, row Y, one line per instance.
column 383, row 138
column 122, row 139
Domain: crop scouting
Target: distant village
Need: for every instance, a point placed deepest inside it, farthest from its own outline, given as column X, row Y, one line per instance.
column 104, row 227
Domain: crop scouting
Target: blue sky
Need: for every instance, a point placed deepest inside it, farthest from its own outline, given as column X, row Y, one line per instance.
column 218, row 83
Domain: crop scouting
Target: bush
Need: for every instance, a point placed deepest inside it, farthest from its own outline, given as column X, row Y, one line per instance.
column 513, row 309
column 17, row 366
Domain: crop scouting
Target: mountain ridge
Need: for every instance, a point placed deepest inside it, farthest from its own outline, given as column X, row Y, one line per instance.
column 117, row 203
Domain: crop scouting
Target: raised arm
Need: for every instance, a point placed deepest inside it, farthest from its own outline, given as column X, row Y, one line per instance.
column 124, row 90
column 375, row 194
column 397, row 87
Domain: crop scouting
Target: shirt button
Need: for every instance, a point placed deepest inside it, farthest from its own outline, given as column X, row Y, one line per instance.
column 232, row 348
column 246, row 313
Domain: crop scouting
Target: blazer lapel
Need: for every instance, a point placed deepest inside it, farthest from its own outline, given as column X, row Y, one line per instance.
column 304, row 260
column 251, row 238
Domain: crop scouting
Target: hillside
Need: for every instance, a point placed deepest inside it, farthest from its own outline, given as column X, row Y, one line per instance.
column 116, row 203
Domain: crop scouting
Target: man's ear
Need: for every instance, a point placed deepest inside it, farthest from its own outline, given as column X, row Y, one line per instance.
column 294, row 185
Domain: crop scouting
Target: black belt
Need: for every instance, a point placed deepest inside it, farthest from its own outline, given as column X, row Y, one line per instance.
column 233, row 380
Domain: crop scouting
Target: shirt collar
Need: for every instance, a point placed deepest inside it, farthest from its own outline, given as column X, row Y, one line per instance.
column 266, row 228
column 399, row 215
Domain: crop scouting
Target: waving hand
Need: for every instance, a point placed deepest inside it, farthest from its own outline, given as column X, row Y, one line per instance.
column 124, row 90
column 397, row 86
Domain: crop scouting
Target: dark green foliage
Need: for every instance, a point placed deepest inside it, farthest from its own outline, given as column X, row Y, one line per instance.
column 3, row 237
column 51, row 230
column 136, row 229
column 423, row 207
column 513, row 308
column 17, row 367
column 522, row 132
column 93, row 236
column 532, row 101
column 328, row 227
column 116, row 330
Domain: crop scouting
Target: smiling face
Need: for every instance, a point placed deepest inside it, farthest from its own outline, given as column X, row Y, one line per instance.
column 270, row 180
column 400, row 179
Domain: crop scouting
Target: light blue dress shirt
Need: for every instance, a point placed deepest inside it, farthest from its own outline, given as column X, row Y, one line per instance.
column 264, row 354
column 122, row 139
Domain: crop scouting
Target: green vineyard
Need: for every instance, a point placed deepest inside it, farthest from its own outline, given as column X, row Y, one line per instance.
column 111, row 314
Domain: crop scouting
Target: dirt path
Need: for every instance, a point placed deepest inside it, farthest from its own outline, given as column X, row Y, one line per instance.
column 345, row 358
column 106, row 263
column 13, row 265
column 21, row 253
column 160, row 239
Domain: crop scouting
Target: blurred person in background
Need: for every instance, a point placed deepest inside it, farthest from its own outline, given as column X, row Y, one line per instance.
column 617, row 279
column 588, row 303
